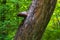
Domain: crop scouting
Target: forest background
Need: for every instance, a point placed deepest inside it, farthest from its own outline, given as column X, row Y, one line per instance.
column 9, row 21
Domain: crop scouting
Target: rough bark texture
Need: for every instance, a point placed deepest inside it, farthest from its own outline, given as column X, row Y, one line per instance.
column 36, row 21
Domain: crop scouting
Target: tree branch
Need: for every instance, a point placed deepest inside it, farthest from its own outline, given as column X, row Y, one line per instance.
column 36, row 21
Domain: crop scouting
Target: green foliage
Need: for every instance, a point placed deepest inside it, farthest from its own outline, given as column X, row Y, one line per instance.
column 9, row 21
column 8, row 13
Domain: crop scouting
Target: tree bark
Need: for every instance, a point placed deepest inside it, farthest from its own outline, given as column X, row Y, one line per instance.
column 36, row 20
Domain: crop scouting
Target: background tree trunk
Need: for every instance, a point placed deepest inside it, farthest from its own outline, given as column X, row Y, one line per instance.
column 36, row 21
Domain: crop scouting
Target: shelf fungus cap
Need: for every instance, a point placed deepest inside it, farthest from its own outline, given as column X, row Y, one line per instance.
column 23, row 14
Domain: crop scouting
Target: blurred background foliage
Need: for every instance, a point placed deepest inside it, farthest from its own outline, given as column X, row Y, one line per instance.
column 9, row 21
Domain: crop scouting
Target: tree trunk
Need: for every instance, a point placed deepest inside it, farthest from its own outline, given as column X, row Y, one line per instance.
column 36, row 20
